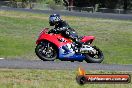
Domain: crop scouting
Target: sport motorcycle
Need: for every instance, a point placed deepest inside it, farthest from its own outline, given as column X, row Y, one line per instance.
column 54, row 46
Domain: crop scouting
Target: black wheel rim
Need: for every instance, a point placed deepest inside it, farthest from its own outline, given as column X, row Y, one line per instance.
column 46, row 50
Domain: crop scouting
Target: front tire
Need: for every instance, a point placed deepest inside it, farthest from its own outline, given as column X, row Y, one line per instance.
column 46, row 51
column 95, row 58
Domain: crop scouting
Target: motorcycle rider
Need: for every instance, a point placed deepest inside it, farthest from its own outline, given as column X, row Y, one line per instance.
column 64, row 29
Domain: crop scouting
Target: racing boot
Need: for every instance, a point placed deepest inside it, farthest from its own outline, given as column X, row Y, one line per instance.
column 78, row 44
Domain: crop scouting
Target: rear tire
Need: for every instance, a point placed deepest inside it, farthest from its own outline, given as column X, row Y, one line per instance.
column 42, row 54
column 92, row 59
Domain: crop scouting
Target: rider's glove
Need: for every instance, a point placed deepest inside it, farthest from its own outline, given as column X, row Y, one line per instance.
column 52, row 31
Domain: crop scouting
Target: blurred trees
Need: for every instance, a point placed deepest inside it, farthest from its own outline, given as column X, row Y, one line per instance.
column 111, row 4
column 24, row 3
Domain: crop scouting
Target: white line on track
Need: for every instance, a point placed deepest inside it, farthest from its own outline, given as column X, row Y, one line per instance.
column 1, row 58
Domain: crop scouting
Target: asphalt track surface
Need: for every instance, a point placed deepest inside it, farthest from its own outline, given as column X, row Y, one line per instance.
column 79, row 14
column 65, row 65
column 60, row 65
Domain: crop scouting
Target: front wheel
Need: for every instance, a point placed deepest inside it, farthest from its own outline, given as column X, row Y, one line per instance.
column 97, row 57
column 46, row 51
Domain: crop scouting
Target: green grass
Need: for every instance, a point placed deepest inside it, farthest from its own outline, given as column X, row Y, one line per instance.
column 19, row 31
column 10, row 78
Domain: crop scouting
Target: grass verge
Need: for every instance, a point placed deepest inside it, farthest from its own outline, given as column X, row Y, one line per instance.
column 15, row 78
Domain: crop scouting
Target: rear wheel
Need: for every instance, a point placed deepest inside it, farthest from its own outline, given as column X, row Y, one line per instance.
column 46, row 51
column 97, row 57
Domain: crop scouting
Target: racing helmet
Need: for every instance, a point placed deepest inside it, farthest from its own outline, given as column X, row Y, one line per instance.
column 53, row 19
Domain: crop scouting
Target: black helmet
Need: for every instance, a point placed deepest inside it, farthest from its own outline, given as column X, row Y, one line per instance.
column 54, row 18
